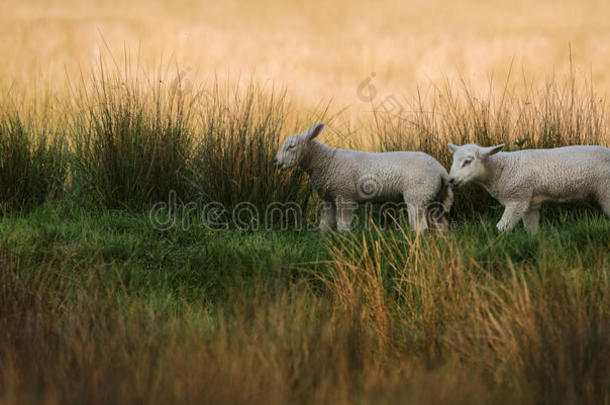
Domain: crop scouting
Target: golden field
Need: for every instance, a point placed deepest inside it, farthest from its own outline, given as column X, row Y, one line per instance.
column 320, row 51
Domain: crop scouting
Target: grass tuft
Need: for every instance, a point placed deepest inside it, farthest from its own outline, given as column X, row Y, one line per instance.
column 239, row 133
column 32, row 163
column 131, row 141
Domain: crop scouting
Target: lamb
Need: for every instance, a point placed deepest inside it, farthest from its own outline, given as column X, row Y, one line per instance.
column 521, row 181
column 345, row 178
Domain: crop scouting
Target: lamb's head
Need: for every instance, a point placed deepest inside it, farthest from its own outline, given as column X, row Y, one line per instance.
column 470, row 163
column 297, row 147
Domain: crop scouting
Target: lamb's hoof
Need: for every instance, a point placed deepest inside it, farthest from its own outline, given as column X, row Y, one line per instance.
column 502, row 227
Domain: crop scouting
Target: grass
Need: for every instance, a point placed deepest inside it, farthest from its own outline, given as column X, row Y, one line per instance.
column 239, row 135
column 137, row 141
column 131, row 141
column 102, row 306
column 33, row 163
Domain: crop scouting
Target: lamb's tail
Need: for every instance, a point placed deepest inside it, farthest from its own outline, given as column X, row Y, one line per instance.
column 439, row 211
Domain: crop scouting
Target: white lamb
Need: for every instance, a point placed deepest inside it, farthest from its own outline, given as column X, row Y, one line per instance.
column 345, row 178
column 521, row 181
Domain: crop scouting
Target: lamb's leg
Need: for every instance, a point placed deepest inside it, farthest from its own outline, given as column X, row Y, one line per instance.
column 329, row 216
column 345, row 214
column 417, row 217
column 513, row 212
column 531, row 219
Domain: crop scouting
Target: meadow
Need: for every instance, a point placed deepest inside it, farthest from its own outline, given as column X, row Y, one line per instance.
column 137, row 262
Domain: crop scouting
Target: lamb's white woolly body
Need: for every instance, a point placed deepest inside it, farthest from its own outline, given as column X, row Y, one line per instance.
column 344, row 178
column 523, row 180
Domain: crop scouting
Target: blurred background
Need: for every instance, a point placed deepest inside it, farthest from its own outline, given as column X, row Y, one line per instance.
column 320, row 51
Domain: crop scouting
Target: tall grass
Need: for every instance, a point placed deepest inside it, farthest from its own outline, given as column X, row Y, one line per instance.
column 135, row 138
column 32, row 161
column 239, row 133
column 536, row 327
column 136, row 141
column 131, row 139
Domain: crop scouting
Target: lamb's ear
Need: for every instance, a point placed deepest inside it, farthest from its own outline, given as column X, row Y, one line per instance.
column 314, row 131
column 452, row 147
column 492, row 150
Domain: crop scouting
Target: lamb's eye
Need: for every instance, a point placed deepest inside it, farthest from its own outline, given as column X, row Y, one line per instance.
column 466, row 163
column 291, row 146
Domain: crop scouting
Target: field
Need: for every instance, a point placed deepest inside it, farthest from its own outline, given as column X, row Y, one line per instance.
column 151, row 253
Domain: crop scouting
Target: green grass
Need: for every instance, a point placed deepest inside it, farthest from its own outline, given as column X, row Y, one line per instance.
column 136, row 142
column 102, row 306
column 131, row 142
column 196, row 261
column 239, row 134
column 33, row 163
